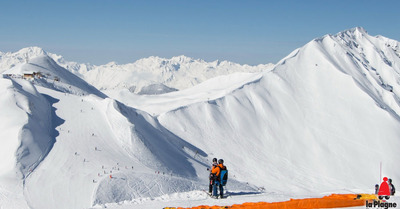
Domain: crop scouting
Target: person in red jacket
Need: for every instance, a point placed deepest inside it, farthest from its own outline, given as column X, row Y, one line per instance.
column 216, row 171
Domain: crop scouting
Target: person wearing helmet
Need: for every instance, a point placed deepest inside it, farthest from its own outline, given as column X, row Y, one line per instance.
column 212, row 176
column 216, row 171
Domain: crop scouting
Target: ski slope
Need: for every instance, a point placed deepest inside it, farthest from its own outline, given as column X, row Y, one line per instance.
column 105, row 143
column 320, row 122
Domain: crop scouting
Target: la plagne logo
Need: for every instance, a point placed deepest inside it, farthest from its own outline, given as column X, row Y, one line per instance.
column 379, row 204
column 383, row 192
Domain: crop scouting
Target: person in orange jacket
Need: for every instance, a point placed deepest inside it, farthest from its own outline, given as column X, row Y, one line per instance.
column 212, row 176
column 216, row 171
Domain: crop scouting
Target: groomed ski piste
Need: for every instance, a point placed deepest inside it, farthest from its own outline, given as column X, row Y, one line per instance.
column 320, row 122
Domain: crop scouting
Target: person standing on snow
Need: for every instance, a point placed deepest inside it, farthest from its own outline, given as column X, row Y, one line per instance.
column 217, row 171
column 212, row 176
column 391, row 187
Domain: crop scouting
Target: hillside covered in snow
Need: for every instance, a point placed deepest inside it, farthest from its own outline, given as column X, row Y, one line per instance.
column 321, row 121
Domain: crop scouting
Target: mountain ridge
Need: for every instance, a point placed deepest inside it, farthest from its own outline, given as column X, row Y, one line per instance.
column 324, row 99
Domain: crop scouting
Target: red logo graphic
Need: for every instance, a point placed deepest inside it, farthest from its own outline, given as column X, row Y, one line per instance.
column 384, row 189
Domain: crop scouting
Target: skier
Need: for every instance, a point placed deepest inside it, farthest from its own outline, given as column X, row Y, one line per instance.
column 212, row 176
column 217, row 182
column 391, row 187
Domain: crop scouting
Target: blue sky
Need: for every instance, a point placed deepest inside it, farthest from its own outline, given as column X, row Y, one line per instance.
column 246, row 32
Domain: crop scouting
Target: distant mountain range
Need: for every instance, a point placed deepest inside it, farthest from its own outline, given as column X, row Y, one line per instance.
column 152, row 75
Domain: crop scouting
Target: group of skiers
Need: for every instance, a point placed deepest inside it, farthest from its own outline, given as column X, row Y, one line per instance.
column 218, row 178
column 386, row 188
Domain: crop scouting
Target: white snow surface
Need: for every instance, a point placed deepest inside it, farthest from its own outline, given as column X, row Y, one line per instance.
column 320, row 122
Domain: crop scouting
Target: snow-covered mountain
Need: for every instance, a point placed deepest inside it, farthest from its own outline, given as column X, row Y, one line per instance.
column 10, row 59
column 324, row 118
column 321, row 121
column 177, row 73
column 52, row 76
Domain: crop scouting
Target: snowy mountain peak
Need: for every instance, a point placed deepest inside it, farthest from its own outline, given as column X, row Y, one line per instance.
column 9, row 59
column 356, row 32
column 372, row 61
column 46, row 72
column 32, row 51
column 111, row 64
column 155, row 60
column 182, row 59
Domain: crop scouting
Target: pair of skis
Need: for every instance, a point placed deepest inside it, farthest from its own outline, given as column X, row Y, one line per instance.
column 215, row 197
